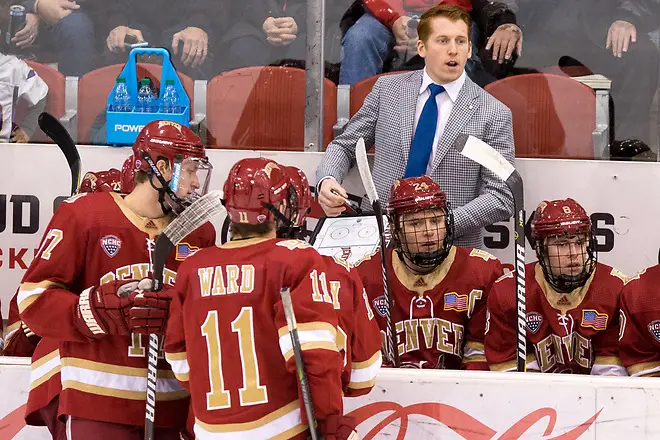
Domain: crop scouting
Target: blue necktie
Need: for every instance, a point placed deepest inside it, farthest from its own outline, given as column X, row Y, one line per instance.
column 422, row 143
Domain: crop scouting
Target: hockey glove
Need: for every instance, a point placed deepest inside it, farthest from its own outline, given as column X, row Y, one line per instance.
column 104, row 310
column 338, row 428
column 150, row 309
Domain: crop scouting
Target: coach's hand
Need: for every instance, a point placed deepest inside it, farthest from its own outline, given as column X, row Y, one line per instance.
column 332, row 197
column 150, row 309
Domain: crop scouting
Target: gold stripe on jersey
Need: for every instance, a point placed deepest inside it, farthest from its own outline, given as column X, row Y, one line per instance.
column 29, row 292
column 430, row 280
column 608, row 360
column 363, row 374
column 183, row 356
column 243, row 243
column 474, row 358
column 239, row 427
column 113, row 369
column 41, row 371
column 9, row 331
column 312, row 346
column 368, row 363
column 562, row 301
column 473, row 352
column 644, row 369
column 309, row 326
column 511, row 365
column 122, row 394
column 150, row 226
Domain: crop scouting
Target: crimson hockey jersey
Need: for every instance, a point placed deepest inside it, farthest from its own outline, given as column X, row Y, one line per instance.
column 440, row 317
column 94, row 239
column 639, row 340
column 228, row 342
column 358, row 336
column 566, row 333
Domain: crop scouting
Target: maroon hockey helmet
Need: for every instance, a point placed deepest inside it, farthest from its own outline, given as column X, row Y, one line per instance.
column 253, row 190
column 564, row 218
column 183, row 149
column 101, row 181
column 416, row 194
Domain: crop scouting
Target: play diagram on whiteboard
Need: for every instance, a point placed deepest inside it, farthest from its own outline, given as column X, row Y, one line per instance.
column 348, row 238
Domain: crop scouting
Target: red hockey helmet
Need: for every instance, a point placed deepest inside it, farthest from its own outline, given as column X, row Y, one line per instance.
column 101, row 181
column 253, row 190
column 191, row 170
column 564, row 219
column 412, row 195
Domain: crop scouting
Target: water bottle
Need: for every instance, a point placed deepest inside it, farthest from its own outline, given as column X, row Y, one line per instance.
column 121, row 102
column 170, row 98
column 146, row 97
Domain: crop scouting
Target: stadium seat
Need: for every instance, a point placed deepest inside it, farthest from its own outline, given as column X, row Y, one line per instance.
column 554, row 116
column 349, row 101
column 263, row 108
column 95, row 86
column 55, row 101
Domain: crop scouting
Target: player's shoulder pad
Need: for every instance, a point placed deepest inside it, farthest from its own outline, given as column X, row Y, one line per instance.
column 479, row 253
column 508, row 274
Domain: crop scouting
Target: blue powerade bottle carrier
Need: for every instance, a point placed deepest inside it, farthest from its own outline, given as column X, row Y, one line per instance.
column 122, row 128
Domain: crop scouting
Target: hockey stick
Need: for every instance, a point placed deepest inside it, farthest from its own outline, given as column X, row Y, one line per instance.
column 56, row 131
column 194, row 216
column 488, row 157
column 300, row 367
column 392, row 353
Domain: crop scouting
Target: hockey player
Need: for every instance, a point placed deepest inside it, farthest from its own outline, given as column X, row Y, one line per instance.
column 639, row 339
column 572, row 301
column 45, row 386
column 438, row 290
column 95, row 246
column 358, row 336
column 227, row 338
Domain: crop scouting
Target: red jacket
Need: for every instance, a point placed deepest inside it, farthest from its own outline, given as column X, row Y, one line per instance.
column 388, row 11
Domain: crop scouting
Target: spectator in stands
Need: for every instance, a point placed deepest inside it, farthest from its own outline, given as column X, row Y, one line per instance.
column 67, row 27
column 384, row 32
column 414, row 119
column 609, row 37
column 188, row 29
column 268, row 32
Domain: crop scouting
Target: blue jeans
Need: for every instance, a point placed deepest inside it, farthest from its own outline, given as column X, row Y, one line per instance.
column 368, row 45
column 74, row 41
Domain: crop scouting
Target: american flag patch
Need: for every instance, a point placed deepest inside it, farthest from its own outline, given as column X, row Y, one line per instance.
column 593, row 319
column 654, row 328
column 184, row 250
column 454, row 301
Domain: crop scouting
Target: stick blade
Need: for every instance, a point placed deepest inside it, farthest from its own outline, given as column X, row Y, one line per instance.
column 194, row 216
column 485, row 155
column 365, row 172
column 52, row 127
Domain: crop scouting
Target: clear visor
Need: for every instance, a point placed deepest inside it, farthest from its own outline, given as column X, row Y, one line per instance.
column 191, row 178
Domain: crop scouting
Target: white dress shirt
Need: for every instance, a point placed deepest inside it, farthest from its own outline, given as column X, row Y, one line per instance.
column 445, row 102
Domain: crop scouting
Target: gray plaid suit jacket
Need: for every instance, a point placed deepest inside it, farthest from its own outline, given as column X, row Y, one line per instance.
column 477, row 197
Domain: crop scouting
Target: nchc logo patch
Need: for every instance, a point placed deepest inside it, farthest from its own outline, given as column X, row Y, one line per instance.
column 184, row 250
column 380, row 305
column 534, row 321
column 111, row 245
column 654, row 328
